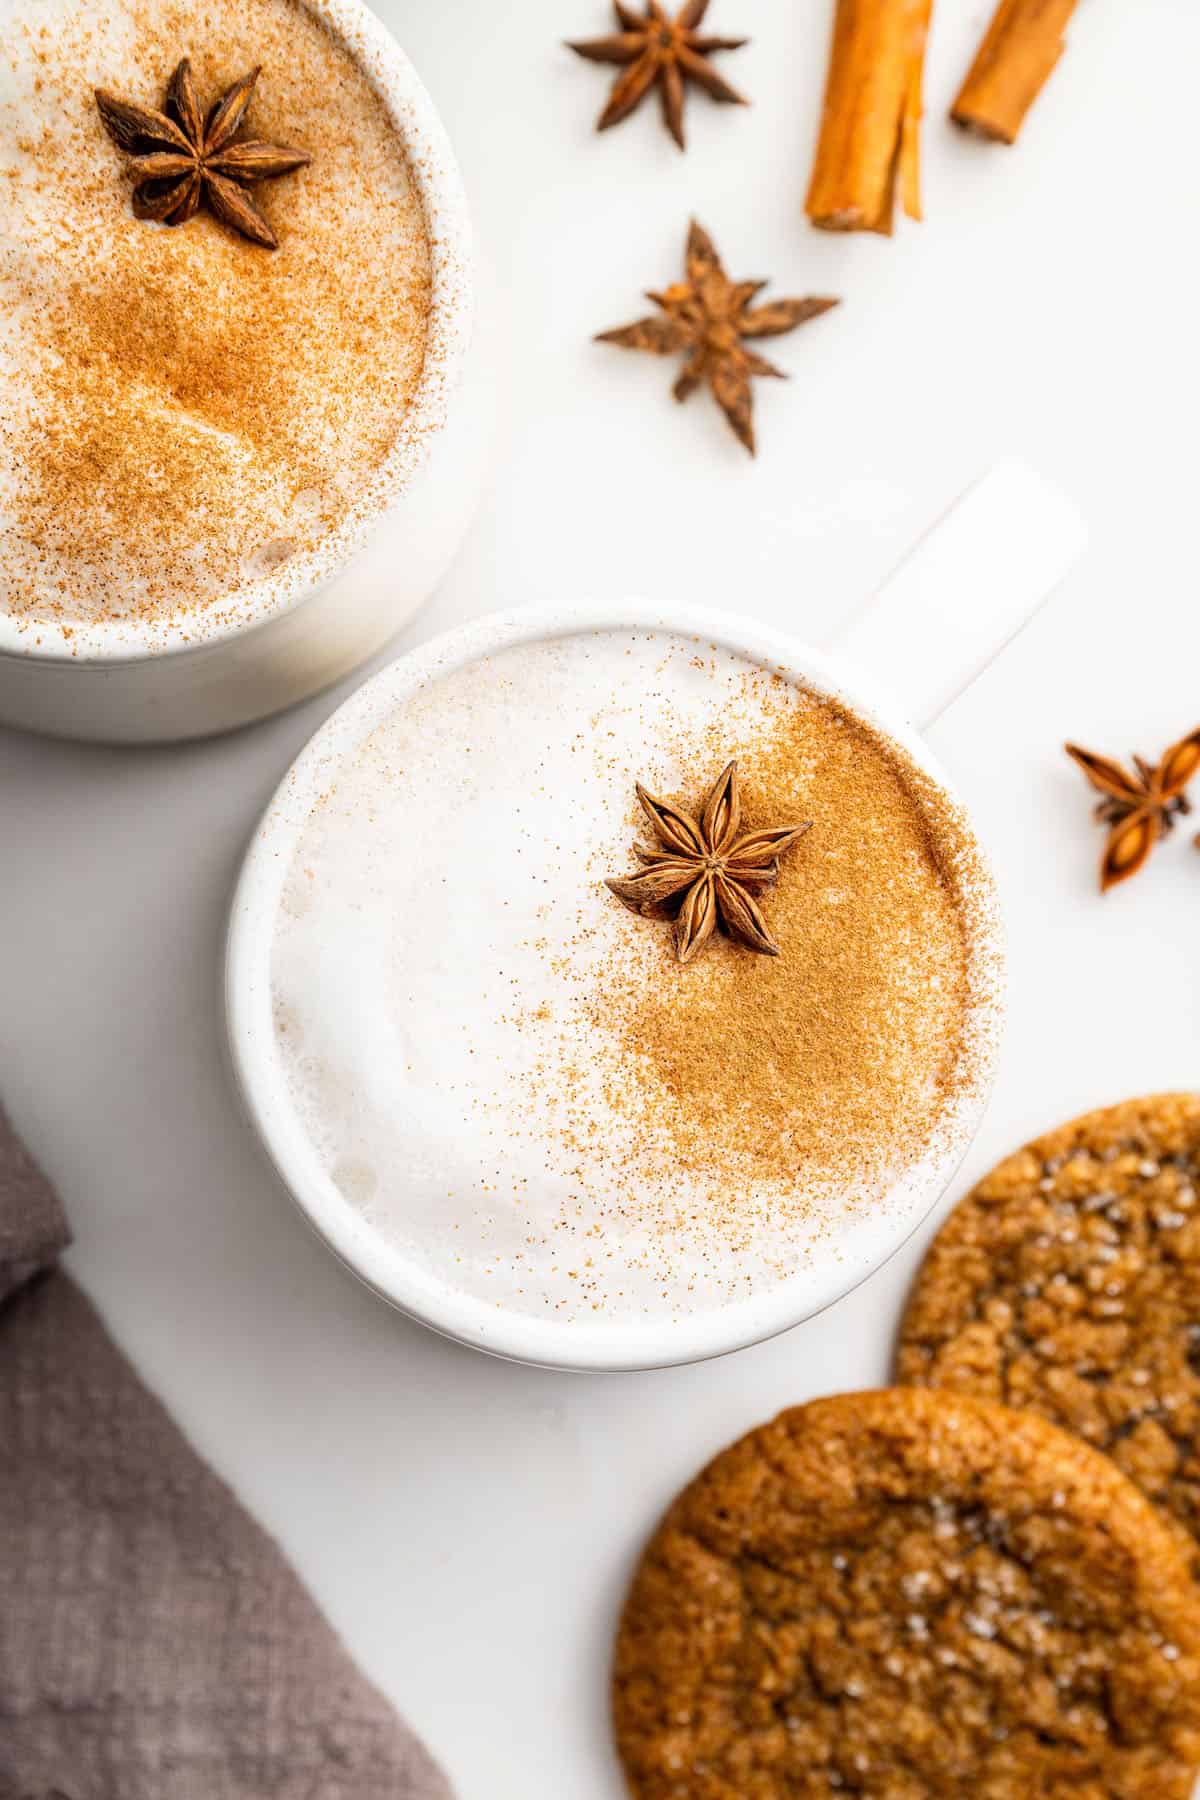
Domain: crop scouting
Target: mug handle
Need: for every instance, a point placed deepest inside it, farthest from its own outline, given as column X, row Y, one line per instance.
column 967, row 588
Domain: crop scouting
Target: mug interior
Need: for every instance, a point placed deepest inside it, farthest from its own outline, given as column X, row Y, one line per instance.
column 627, row 1343
column 435, row 175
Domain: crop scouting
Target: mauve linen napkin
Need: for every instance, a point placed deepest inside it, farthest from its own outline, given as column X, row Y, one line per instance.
column 154, row 1643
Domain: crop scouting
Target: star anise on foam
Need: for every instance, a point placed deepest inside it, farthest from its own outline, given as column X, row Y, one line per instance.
column 1139, row 809
column 658, row 50
column 707, row 317
column 181, row 156
column 706, row 875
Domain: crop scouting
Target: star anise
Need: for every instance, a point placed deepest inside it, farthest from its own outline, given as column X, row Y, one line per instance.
column 656, row 49
column 1141, row 808
column 706, row 875
column 707, row 317
column 182, row 157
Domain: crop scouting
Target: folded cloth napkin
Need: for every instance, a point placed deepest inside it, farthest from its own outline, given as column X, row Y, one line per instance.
column 154, row 1643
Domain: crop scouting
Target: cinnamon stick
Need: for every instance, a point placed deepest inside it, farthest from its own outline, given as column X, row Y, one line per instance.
column 870, row 123
column 1024, row 41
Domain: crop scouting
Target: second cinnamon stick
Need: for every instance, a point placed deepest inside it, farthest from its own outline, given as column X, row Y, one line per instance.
column 1014, row 62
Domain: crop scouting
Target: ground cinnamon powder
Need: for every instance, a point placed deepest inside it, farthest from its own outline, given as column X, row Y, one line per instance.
column 851, row 1035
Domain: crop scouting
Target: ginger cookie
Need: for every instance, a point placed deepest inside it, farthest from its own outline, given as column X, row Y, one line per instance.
column 910, row 1595
column 1069, row 1282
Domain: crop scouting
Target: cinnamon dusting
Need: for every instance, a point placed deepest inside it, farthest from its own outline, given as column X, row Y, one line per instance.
column 831, row 1064
column 835, row 1059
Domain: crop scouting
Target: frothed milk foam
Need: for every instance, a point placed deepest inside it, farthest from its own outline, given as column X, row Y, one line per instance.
column 183, row 414
column 484, row 1048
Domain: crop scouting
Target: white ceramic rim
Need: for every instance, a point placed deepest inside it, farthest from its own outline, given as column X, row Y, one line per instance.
column 436, row 176
column 383, row 1266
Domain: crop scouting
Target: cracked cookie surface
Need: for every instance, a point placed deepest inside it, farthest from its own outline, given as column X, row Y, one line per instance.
column 1068, row 1282
column 910, row 1595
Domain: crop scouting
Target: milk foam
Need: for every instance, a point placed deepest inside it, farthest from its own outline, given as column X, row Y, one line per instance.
column 440, row 968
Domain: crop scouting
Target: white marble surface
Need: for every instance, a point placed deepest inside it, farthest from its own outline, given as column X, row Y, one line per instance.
column 468, row 1525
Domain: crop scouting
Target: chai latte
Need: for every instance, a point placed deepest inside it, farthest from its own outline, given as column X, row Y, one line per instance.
column 512, row 1077
column 183, row 412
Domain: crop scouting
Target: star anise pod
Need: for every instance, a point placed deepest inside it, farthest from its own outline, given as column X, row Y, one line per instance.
column 655, row 49
column 181, row 157
column 707, row 317
column 705, row 875
column 1139, row 809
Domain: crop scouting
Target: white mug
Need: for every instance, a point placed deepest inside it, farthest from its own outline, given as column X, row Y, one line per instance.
column 323, row 614
column 962, row 594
